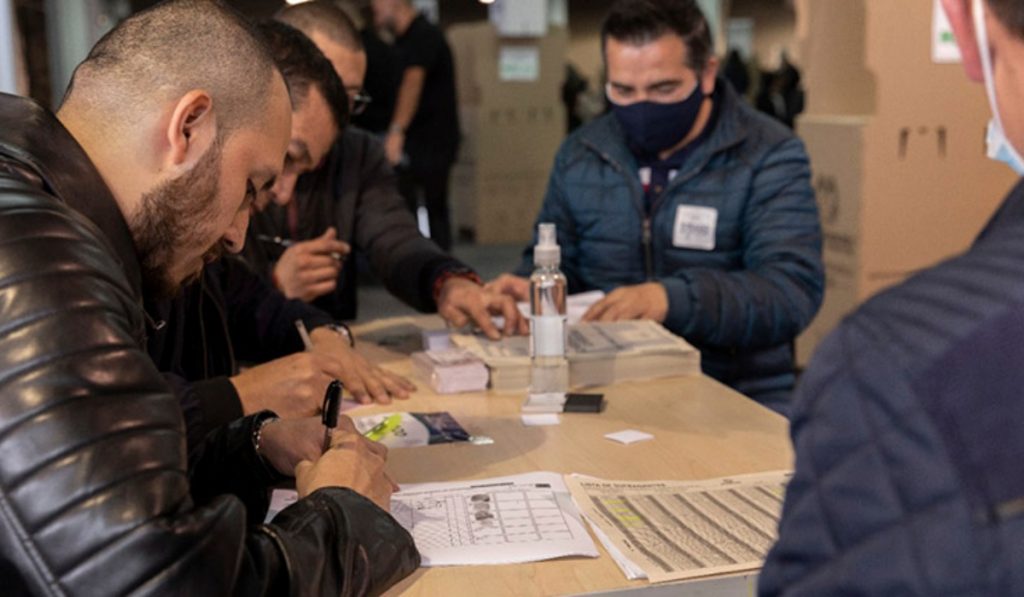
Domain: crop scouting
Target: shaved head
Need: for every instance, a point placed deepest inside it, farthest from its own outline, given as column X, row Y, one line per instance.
column 325, row 17
column 161, row 53
column 304, row 67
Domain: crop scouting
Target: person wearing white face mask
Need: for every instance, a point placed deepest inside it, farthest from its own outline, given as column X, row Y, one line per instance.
column 907, row 424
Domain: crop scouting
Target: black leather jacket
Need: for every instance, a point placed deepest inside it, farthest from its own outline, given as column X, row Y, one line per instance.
column 94, row 493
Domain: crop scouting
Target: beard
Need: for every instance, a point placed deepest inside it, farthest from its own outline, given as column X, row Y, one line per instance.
column 173, row 216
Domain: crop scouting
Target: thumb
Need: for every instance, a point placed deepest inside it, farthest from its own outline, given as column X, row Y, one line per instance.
column 302, row 468
column 330, row 234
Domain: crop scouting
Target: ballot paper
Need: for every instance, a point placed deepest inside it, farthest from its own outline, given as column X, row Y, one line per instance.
column 575, row 306
column 599, row 353
column 677, row 530
column 502, row 520
column 450, row 370
column 279, row 500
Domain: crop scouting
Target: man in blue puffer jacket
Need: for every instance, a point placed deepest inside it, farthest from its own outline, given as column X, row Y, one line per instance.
column 687, row 206
column 907, row 424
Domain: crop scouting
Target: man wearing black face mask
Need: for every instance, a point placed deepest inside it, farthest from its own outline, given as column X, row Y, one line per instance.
column 686, row 206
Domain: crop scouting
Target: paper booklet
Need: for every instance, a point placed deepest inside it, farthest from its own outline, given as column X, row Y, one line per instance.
column 599, row 353
column 677, row 530
column 450, row 370
column 502, row 520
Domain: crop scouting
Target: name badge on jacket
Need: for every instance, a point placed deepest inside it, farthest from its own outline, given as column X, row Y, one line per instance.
column 695, row 227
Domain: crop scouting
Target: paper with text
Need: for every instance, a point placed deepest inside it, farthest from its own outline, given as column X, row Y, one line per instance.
column 504, row 520
column 676, row 530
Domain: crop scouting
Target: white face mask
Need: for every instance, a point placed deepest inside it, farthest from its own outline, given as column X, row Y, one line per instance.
column 999, row 147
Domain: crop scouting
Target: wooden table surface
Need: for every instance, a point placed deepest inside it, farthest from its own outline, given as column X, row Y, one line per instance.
column 702, row 429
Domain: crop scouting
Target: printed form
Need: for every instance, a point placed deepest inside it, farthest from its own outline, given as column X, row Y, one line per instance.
column 676, row 530
column 503, row 520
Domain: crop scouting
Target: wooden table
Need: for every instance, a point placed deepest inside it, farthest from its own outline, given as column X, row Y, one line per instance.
column 702, row 429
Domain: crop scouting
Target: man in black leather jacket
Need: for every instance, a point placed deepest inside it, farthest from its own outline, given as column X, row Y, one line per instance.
column 171, row 126
column 352, row 197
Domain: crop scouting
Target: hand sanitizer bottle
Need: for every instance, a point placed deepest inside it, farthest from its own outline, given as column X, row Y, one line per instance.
column 549, row 370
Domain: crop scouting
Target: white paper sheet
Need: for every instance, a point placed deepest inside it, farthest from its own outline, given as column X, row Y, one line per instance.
column 504, row 520
column 629, row 436
column 677, row 530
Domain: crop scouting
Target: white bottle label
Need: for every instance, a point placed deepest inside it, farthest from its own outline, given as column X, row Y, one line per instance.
column 548, row 333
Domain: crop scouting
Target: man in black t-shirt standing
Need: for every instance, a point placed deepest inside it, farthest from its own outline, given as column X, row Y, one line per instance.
column 424, row 133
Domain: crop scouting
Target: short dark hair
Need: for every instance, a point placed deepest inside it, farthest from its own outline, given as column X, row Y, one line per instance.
column 638, row 22
column 170, row 49
column 1011, row 14
column 325, row 17
column 303, row 67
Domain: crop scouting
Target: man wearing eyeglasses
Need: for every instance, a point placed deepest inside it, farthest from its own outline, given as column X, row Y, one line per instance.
column 351, row 200
column 686, row 206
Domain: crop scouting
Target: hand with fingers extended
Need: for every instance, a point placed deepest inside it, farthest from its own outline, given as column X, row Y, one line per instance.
column 516, row 287
column 353, row 462
column 643, row 301
column 463, row 301
column 309, row 269
column 292, row 386
column 364, row 381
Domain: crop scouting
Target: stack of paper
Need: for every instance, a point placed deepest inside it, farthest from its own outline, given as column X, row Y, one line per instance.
column 451, row 371
column 676, row 530
column 599, row 353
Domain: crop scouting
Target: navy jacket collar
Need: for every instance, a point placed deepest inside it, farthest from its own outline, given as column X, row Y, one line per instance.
column 32, row 136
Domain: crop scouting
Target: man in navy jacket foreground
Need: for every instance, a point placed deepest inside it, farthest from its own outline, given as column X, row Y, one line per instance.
column 907, row 425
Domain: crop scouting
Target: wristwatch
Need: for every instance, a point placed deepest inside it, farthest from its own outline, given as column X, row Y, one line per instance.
column 257, row 429
column 343, row 331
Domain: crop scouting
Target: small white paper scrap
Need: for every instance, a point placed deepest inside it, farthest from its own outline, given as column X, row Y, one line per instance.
column 541, row 420
column 629, row 436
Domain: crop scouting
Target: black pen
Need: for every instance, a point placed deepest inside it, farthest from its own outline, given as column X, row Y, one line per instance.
column 332, row 403
column 287, row 242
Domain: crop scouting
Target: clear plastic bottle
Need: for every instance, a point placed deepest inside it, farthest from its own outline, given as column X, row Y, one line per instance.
column 549, row 370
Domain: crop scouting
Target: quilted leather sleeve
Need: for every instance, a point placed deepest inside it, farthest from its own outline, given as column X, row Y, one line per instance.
column 94, row 493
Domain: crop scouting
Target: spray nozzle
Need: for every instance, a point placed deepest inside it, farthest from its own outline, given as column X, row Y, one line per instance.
column 547, row 252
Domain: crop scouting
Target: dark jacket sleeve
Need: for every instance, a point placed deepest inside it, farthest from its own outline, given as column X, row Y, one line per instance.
column 206, row 405
column 874, row 507
column 261, row 321
column 778, row 291
column 407, row 262
column 93, row 480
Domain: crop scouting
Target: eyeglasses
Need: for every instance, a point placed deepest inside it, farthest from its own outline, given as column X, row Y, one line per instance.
column 359, row 102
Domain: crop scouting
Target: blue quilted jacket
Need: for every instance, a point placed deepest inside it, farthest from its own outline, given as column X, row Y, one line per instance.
column 741, row 303
column 909, row 434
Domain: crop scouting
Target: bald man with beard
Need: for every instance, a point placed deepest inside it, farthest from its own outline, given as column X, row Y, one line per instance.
column 172, row 126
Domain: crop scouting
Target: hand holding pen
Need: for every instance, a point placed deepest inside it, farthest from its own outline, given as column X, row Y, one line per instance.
column 332, row 405
column 308, row 269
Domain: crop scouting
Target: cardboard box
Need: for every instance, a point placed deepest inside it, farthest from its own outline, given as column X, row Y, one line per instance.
column 512, row 129
column 897, row 149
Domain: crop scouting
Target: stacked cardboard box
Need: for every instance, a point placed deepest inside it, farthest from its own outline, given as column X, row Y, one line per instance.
column 897, row 149
column 512, row 122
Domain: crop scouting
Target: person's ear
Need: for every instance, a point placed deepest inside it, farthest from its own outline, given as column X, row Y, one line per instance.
column 191, row 130
column 709, row 76
column 962, row 21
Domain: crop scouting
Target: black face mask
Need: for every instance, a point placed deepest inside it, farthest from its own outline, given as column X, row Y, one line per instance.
column 652, row 127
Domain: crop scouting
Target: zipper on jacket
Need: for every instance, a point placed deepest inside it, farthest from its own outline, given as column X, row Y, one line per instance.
column 648, row 249
column 638, row 201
